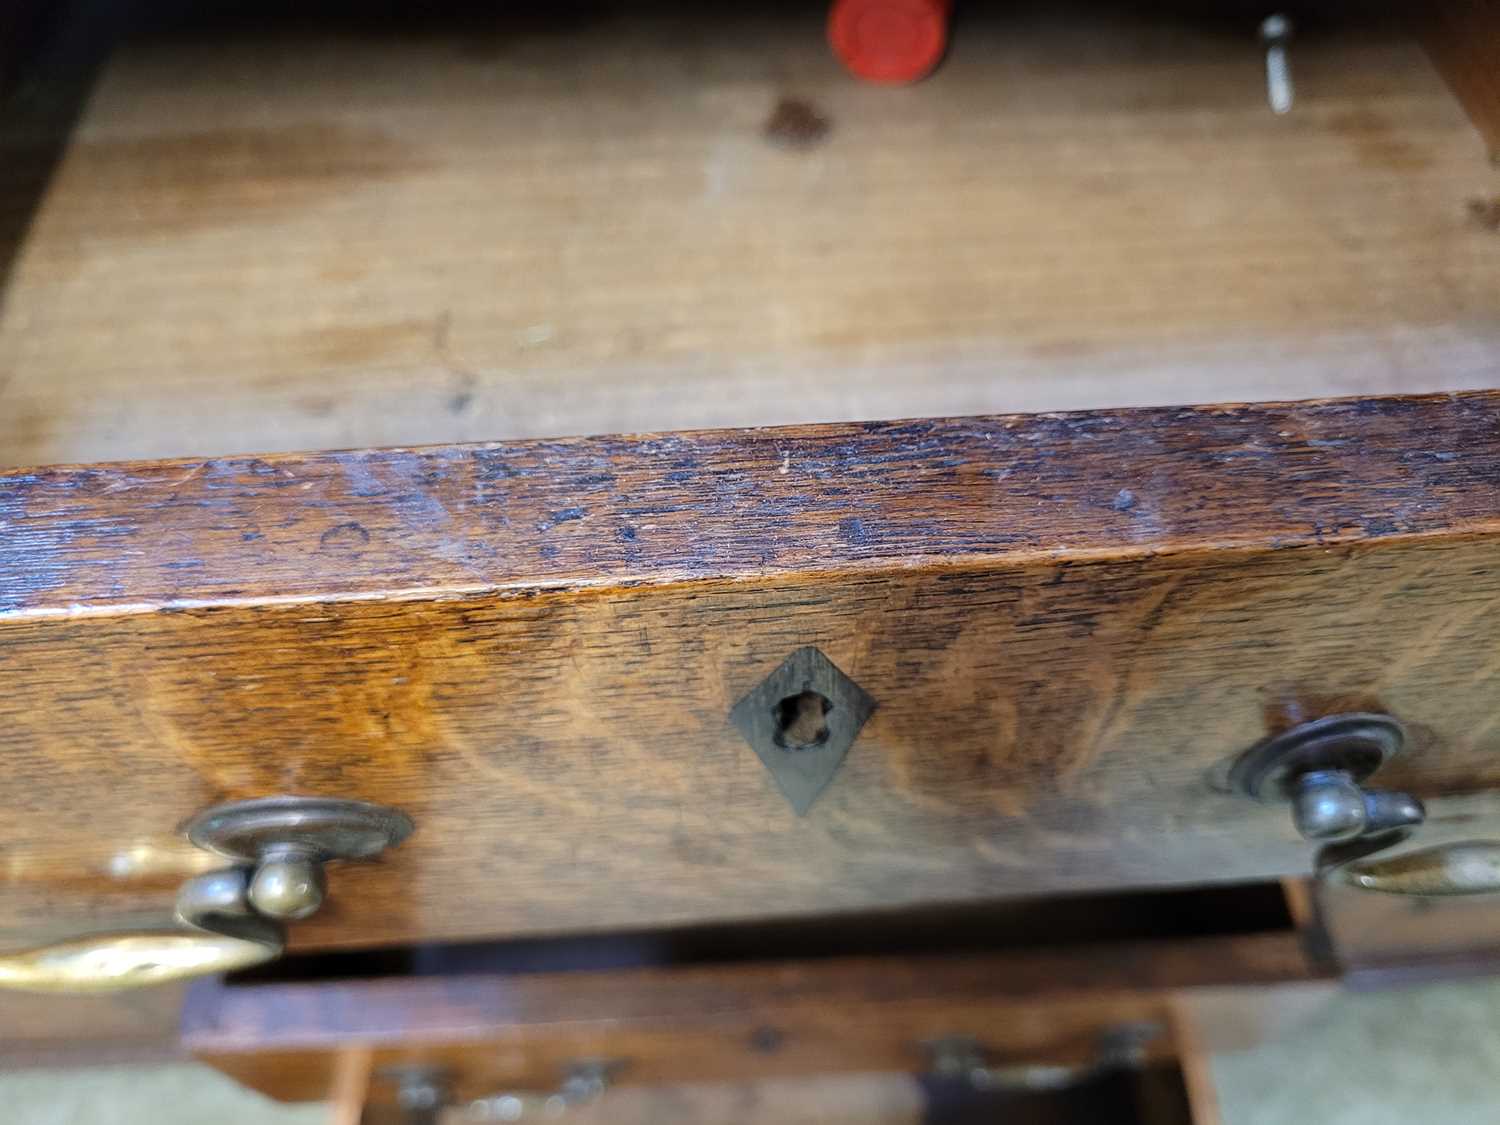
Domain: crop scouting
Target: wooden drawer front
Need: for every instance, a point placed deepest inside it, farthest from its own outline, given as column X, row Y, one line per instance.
column 1064, row 622
column 488, row 1033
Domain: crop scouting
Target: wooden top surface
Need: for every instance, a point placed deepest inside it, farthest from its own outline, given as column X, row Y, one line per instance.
column 348, row 233
column 623, row 511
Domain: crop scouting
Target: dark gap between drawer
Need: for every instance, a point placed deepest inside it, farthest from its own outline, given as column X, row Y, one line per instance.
column 1074, row 920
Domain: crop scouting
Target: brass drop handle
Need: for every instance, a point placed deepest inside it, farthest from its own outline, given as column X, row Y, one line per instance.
column 1319, row 768
column 228, row 919
column 964, row 1058
column 107, row 962
column 1447, row 870
column 219, row 933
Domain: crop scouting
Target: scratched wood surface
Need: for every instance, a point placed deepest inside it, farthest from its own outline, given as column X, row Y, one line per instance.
column 533, row 648
column 725, row 1022
column 278, row 236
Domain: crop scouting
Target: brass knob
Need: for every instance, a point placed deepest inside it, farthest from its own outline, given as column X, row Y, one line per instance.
column 1318, row 767
column 1329, row 806
column 232, row 918
column 285, row 841
column 289, row 887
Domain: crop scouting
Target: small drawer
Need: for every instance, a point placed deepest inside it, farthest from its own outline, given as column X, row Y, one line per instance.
column 811, row 665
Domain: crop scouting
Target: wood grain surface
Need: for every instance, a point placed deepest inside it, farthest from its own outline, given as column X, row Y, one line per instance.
column 142, row 1026
column 564, row 218
column 1463, row 37
column 1066, row 621
column 726, row 1022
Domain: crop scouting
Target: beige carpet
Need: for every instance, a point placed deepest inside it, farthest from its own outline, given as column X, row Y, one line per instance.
column 160, row 1095
column 1419, row 1056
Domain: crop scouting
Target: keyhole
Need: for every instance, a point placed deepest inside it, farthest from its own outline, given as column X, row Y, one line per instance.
column 802, row 721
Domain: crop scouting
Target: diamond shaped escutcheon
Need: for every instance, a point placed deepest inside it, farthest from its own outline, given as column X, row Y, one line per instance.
column 801, row 721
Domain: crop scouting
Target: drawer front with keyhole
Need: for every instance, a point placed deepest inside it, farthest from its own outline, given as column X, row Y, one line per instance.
column 645, row 681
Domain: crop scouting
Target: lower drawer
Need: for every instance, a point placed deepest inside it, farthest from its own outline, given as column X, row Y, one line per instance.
column 546, row 1026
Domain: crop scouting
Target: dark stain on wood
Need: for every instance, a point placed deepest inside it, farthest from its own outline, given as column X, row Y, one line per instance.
column 1485, row 213
column 338, row 345
column 767, row 1040
column 853, row 531
column 796, row 124
column 223, row 177
column 1377, row 144
column 344, row 537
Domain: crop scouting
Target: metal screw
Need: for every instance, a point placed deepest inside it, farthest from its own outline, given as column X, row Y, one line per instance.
column 584, row 1081
column 421, row 1092
column 1276, row 33
column 1125, row 1045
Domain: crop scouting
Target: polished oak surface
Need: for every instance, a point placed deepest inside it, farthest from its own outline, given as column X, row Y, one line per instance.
column 533, row 649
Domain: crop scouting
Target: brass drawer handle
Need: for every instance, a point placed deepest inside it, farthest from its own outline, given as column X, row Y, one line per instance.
column 285, row 841
column 964, row 1058
column 1468, row 868
column 232, row 918
column 107, row 962
column 219, row 934
column 1319, row 767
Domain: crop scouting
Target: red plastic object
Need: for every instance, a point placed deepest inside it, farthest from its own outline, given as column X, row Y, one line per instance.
column 894, row 41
